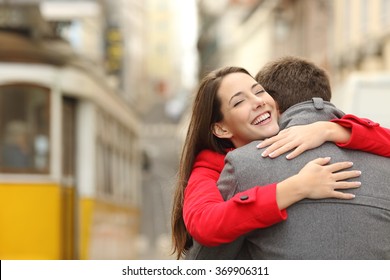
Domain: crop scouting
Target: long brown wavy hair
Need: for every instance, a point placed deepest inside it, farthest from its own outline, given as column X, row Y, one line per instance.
column 206, row 111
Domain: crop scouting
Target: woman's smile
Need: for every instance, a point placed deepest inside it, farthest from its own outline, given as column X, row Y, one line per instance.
column 263, row 118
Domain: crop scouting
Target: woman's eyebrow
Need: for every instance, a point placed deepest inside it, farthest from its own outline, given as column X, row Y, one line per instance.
column 235, row 95
column 240, row 92
column 255, row 85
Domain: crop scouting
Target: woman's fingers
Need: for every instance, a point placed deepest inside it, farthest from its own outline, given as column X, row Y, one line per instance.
column 340, row 178
column 274, row 144
column 338, row 166
column 323, row 180
column 297, row 139
column 341, row 195
column 277, row 149
column 344, row 175
column 320, row 161
column 299, row 150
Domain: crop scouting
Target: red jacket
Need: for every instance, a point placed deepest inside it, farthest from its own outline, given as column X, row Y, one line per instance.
column 366, row 135
column 212, row 221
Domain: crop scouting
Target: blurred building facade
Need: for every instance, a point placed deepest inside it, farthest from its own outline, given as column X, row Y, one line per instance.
column 360, row 38
column 341, row 36
column 349, row 38
column 337, row 35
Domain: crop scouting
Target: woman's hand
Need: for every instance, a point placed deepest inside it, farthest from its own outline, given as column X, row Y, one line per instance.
column 323, row 181
column 304, row 137
column 317, row 180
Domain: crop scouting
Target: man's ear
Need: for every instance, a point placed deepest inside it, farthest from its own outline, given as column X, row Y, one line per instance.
column 220, row 131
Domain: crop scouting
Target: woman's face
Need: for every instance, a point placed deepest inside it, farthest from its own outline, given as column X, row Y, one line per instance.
column 249, row 112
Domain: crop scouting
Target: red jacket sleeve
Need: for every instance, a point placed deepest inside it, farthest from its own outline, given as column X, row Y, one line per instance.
column 366, row 135
column 212, row 221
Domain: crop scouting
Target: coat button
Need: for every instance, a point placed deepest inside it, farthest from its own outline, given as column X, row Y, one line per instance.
column 244, row 197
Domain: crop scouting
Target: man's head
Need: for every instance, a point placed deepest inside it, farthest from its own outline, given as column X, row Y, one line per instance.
column 291, row 80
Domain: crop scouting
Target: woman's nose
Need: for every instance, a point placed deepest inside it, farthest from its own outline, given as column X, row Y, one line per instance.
column 258, row 102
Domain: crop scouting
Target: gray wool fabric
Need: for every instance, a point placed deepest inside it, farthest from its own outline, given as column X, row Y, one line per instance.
column 315, row 229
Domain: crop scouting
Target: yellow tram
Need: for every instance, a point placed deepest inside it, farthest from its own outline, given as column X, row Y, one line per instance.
column 70, row 160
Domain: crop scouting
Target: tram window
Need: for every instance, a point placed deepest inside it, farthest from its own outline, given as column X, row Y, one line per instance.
column 24, row 129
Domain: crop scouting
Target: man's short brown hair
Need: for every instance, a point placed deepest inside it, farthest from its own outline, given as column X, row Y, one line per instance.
column 291, row 80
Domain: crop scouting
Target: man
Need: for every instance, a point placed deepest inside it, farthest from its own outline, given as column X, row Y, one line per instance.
column 315, row 229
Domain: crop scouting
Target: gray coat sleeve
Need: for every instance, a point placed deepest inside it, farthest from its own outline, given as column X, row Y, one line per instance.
column 228, row 183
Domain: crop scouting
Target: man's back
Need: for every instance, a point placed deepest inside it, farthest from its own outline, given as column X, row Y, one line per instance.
column 328, row 228
column 317, row 229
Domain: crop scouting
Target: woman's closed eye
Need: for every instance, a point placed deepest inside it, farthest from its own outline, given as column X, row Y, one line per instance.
column 259, row 91
column 238, row 102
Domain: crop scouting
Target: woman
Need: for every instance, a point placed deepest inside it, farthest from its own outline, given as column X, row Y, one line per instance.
column 220, row 135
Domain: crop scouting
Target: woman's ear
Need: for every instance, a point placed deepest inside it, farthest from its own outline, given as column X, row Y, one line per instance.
column 220, row 131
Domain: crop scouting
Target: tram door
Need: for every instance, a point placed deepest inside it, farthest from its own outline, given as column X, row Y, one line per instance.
column 69, row 201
